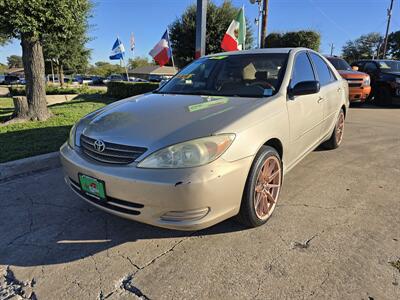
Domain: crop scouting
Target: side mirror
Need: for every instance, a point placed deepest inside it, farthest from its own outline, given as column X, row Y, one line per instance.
column 305, row 88
column 354, row 68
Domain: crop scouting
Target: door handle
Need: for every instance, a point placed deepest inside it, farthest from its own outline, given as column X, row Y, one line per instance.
column 339, row 89
column 320, row 99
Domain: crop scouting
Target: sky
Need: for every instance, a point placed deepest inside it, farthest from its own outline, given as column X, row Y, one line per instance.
column 336, row 20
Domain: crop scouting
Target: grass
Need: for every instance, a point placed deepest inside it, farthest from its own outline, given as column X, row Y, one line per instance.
column 22, row 140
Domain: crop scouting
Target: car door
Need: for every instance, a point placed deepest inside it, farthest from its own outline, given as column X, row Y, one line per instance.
column 331, row 92
column 371, row 68
column 305, row 112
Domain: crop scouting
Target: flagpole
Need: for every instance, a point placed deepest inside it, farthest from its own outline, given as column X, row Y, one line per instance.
column 172, row 54
column 245, row 29
column 132, row 45
column 126, row 69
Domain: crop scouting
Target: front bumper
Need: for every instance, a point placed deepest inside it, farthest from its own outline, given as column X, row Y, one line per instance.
column 184, row 199
column 359, row 94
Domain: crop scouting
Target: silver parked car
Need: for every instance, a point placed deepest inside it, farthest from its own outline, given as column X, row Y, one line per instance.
column 214, row 142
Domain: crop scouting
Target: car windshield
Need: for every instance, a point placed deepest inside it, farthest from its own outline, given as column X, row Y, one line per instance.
column 243, row 75
column 389, row 65
column 340, row 64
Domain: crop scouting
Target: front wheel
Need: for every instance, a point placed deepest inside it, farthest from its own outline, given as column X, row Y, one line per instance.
column 337, row 134
column 262, row 188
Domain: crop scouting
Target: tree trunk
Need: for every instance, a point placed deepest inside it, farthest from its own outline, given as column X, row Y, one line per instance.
column 32, row 57
column 61, row 75
column 20, row 107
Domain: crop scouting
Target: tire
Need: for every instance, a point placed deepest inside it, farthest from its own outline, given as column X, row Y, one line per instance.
column 260, row 189
column 337, row 135
column 383, row 96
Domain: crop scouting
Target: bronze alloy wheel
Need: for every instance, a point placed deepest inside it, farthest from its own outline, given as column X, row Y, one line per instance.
column 267, row 188
column 340, row 128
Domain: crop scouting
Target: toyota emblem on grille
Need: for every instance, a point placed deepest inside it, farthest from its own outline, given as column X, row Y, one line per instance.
column 99, row 145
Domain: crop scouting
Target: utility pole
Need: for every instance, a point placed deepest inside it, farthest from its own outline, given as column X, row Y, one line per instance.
column 264, row 22
column 257, row 20
column 332, row 47
column 201, row 19
column 389, row 12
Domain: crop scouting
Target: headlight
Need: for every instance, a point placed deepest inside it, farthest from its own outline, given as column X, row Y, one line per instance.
column 71, row 138
column 398, row 80
column 76, row 130
column 192, row 153
column 367, row 81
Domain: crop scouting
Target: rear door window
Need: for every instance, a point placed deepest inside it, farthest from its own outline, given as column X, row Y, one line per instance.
column 370, row 67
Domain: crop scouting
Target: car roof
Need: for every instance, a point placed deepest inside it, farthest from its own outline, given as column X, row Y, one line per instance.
column 333, row 57
column 378, row 60
column 258, row 51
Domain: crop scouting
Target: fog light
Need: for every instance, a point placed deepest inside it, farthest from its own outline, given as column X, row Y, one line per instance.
column 187, row 215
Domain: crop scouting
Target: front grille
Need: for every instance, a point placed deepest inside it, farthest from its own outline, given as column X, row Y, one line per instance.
column 110, row 202
column 354, row 79
column 355, row 82
column 112, row 153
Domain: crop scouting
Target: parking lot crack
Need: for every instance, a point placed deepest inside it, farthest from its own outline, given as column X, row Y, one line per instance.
column 153, row 260
column 97, row 271
column 306, row 243
column 11, row 287
column 312, row 293
column 127, row 285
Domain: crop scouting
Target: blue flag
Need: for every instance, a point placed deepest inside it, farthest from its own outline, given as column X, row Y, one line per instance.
column 118, row 50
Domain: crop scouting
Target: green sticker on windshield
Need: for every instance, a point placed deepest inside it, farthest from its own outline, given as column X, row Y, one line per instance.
column 208, row 104
column 219, row 57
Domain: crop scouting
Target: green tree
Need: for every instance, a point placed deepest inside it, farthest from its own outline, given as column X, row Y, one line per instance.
column 14, row 61
column 70, row 54
column 3, row 67
column 302, row 38
column 30, row 22
column 365, row 47
column 183, row 31
column 139, row 62
column 394, row 45
column 3, row 40
column 105, row 69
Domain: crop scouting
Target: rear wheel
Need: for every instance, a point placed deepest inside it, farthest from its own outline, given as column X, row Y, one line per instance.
column 262, row 188
column 337, row 134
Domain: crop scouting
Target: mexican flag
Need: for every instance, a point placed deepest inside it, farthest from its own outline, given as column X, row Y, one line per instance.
column 235, row 36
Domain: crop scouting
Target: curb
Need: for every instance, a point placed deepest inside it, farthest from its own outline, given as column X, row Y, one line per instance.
column 25, row 166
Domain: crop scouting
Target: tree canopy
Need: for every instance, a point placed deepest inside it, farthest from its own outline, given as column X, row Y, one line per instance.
column 365, row 47
column 32, row 22
column 3, row 67
column 302, row 38
column 394, row 45
column 139, row 62
column 14, row 61
column 105, row 69
column 183, row 31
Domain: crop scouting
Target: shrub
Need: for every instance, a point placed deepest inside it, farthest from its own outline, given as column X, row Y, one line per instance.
column 121, row 89
column 303, row 38
column 54, row 90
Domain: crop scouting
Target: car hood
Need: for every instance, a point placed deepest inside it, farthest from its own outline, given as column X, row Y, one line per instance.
column 351, row 74
column 157, row 120
column 397, row 74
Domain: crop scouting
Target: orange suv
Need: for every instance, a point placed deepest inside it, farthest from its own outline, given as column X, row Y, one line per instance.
column 359, row 83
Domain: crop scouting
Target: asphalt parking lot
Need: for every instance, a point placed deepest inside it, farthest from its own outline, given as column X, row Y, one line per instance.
column 334, row 235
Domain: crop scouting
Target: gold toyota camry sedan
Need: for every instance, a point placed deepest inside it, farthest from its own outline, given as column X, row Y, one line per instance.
column 213, row 142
